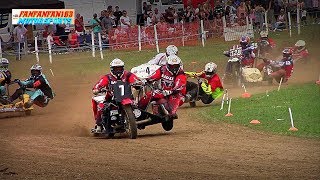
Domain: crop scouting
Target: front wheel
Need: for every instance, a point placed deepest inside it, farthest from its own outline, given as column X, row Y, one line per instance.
column 131, row 125
column 167, row 125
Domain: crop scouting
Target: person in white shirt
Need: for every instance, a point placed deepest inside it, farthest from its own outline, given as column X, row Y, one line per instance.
column 125, row 21
column 50, row 38
column 19, row 34
column 156, row 16
column 149, row 19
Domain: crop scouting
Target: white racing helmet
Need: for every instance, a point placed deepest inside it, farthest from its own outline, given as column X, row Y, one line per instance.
column 4, row 64
column 210, row 69
column 117, row 68
column 171, row 50
column 174, row 64
column 300, row 45
column 36, row 70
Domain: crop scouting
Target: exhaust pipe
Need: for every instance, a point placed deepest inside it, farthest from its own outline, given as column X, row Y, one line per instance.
column 143, row 121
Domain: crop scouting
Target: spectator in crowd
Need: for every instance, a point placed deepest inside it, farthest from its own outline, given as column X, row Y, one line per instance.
column 270, row 11
column 107, row 23
column 110, row 10
column 230, row 13
column 156, row 16
column 278, row 5
column 259, row 16
column 125, row 21
column 252, row 15
column 19, row 34
column 218, row 24
column 248, row 6
column 73, row 38
column 61, row 32
column 242, row 20
column 219, row 9
column 101, row 15
column 95, row 25
column 175, row 16
column 145, row 8
column 117, row 15
column 303, row 16
column 52, row 28
column 78, row 23
column 242, row 9
column 282, row 19
column 149, row 19
column 316, row 10
column 169, row 15
column 189, row 14
column 50, row 38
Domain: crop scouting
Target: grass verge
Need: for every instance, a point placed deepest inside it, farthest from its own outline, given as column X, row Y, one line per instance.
column 272, row 111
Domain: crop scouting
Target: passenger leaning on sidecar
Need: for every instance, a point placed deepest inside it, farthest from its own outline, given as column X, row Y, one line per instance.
column 42, row 93
column 5, row 76
column 173, row 82
column 210, row 88
column 161, row 58
column 281, row 69
column 117, row 73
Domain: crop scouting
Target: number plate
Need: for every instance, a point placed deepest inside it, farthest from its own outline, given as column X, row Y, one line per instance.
column 114, row 112
column 121, row 90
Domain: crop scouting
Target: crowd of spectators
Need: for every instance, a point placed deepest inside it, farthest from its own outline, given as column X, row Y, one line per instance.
column 234, row 11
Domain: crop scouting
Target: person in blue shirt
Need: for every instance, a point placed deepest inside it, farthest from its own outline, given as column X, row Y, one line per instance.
column 42, row 93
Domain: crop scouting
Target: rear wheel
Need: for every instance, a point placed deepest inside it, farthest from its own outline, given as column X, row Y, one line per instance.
column 167, row 125
column 130, row 119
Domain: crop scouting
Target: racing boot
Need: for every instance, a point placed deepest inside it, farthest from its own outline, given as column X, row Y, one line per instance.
column 28, row 104
column 188, row 98
column 97, row 129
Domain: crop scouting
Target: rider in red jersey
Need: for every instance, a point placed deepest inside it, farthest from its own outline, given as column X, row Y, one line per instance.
column 117, row 74
column 173, row 85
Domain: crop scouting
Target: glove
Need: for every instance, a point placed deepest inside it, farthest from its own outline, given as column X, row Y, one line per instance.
column 95, row 91
column 206, row 88
column 16, row 80
column 167, row 92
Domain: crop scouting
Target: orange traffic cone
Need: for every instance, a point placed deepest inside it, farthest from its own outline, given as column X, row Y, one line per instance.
column 293, row 129
column 255, row 121
column 246, row 95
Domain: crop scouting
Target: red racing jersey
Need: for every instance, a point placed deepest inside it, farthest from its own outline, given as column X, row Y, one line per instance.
column 169, row 81
column 108, row 79
column 214, row 81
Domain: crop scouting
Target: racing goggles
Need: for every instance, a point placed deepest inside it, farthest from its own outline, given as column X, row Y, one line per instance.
column 174, row 68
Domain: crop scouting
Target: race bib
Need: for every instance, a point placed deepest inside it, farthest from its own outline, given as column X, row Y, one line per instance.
column 121, row 90
column 236, row 51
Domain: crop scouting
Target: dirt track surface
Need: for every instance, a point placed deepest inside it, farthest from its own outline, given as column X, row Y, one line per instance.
column 54, row 143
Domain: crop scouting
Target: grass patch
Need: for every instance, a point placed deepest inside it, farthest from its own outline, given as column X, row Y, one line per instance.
column 302, row 99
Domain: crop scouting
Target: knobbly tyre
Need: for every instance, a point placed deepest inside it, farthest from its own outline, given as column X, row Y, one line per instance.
column 6, row 106
column 120, row 118
column 237, row 72
column 159, row 113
